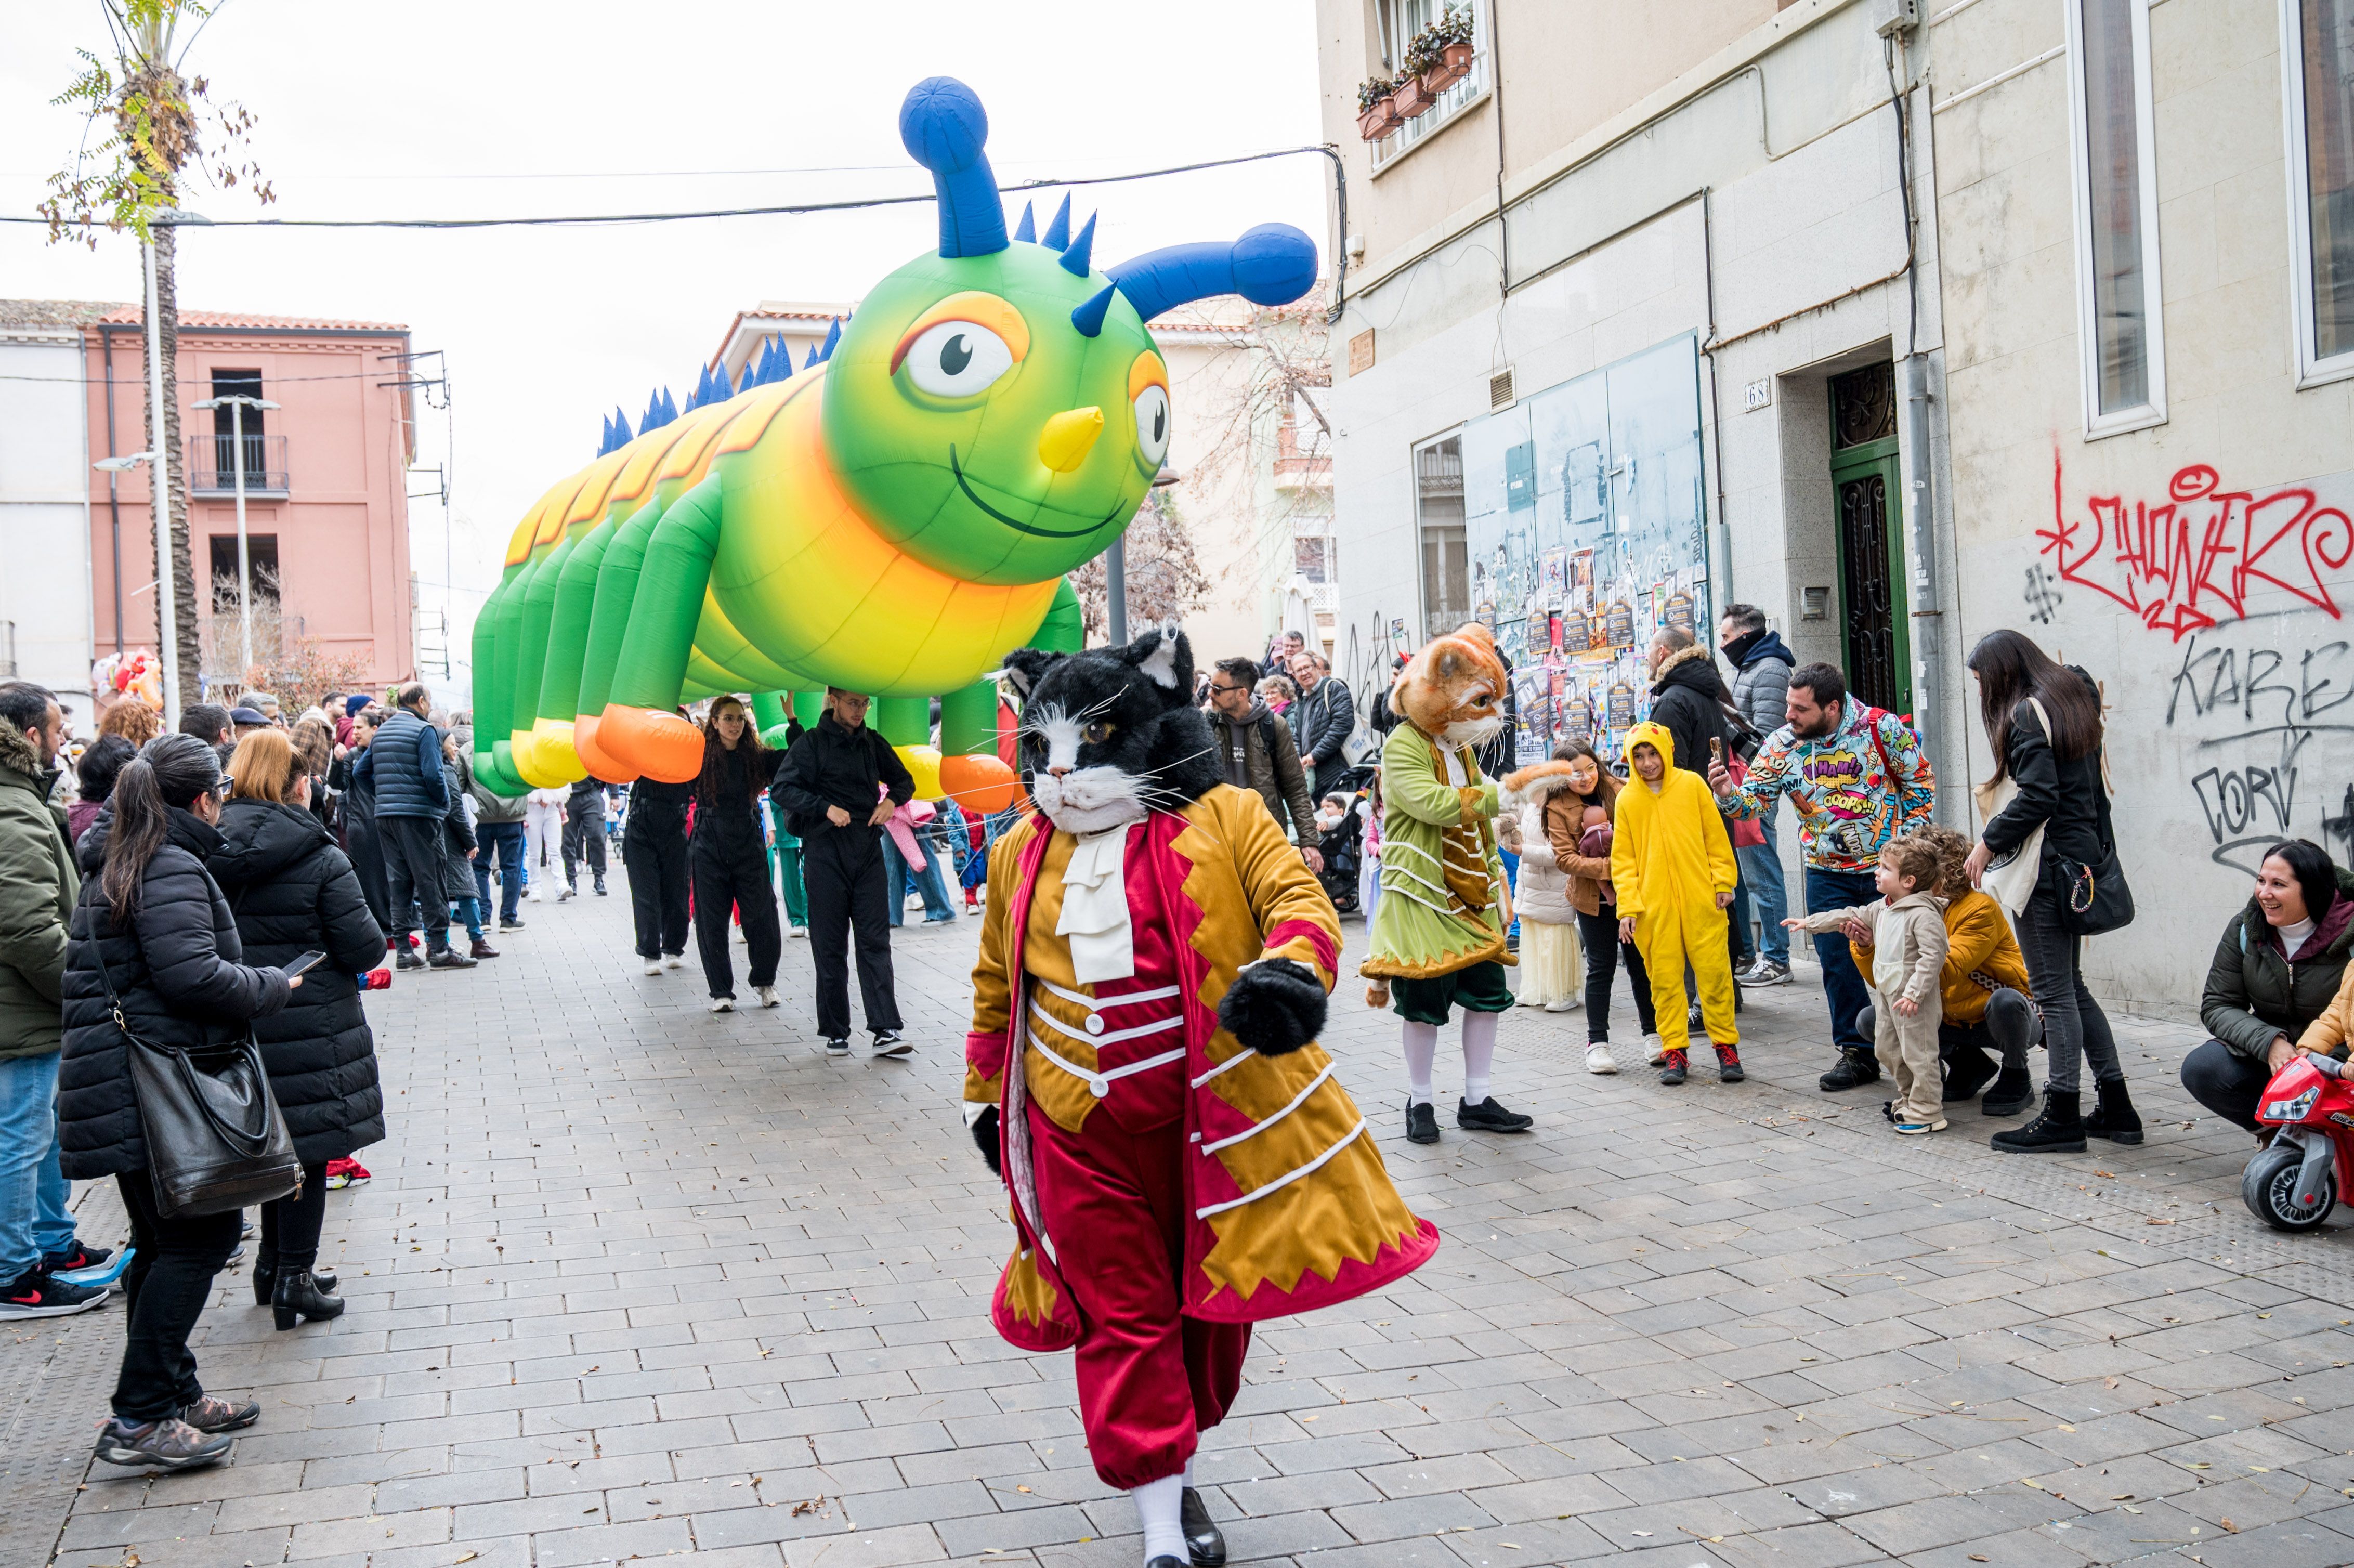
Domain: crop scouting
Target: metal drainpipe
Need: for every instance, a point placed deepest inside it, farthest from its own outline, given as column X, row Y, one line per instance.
column 1921, row 545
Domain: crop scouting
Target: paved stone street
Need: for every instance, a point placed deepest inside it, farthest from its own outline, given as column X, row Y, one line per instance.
column 634, row 1281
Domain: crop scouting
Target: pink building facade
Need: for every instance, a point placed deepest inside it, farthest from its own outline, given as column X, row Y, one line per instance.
column 326, row 480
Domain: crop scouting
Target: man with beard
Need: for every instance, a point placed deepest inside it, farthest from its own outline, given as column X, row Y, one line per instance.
column 1859, row 780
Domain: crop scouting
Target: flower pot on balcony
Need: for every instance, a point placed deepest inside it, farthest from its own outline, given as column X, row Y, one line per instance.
column 1377, row 122
column 1412, row 96
column 1455, row 64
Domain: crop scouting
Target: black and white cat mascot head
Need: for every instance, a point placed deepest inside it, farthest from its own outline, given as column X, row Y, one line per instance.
column 1112, row 734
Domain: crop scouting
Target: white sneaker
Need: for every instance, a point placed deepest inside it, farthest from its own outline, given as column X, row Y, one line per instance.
column 767, row 993
column 1562, row 1004
column 673, row 961
column 1598, row 1058
column 653, row 966
column 800, row 931
column 723, row 1005
column 1655, row 1050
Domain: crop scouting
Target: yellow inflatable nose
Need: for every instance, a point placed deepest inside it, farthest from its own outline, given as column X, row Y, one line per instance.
column 1069, row 437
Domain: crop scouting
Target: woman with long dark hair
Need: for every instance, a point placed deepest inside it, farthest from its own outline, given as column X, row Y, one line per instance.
column 154, row 937
column 94, row 778
column 355, row 800
column 293, row 892
column 2279, row 966
column 729, row 860
column 2043, row 722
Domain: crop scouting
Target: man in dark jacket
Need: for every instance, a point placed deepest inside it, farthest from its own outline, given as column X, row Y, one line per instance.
column 584, row 834
column 653, row 853
column 1321, row 720
column 840, row 783
column 498, row 828
column 403, row 765
column 1255, row 752
column 1761, row 694
column 37, row 887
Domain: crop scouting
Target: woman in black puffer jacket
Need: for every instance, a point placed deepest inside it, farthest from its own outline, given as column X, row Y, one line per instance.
column 293, row 892
column 152, row 926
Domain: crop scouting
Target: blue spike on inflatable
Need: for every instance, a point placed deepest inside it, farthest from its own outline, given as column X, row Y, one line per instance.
column 669, row 405
column 1090, row 317
column 1026, row 230
column 944, row 128
column 1058, row 233
column 833, row 338
column 810, row 358
column 766, row 370
column 1076, row 259
column 784, row 360
column 655, row 416
column 1272, row 264
column 605, row 437
column 623, row 434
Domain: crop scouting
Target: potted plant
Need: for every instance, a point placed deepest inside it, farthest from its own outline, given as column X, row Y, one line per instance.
column 1440, row 55
column 1376, row 118
column 1413, row 94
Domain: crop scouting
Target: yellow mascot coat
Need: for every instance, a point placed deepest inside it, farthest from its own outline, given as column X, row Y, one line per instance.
column 1291, row 1207
column 1670, row 857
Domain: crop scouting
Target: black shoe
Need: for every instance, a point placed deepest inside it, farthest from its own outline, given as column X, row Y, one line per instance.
column 167, row 1445
column 838, row 1048
column 2058, row 1130
column 2013, row 1092
column 1422, row 1123
column 1970, row 1071
column 1674, row 1072
column 35, row 1295
column 265, row 1283
column 213, row 1415
column 888, row 1042
column 448, row 958
column 295, row 1296
column 2114, row 1118
column 1164, row 1561
column 407, row 960
column 511, row 925
column 1888, row 1112
column 1854, row 1067
column 76, row 1256
column 1489, row 1117
column 1203, row 1544
column 1728, row 1066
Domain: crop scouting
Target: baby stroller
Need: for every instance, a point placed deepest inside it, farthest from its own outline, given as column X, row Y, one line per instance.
column 1342, row 844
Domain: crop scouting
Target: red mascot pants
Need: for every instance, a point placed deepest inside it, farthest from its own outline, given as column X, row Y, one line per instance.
column 1150, row 1380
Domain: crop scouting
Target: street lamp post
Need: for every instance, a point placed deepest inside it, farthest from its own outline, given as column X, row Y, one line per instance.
column 238, row 403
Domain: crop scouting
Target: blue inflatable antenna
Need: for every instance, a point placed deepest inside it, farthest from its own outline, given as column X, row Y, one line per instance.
column 944, row 129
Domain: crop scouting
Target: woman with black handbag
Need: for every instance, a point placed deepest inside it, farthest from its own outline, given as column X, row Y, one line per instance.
column 152, row 972
column 293, row 892
column 2043, row 722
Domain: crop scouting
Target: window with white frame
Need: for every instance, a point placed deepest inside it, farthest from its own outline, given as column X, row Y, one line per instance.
column 1400, row 21
column 1438, row 518
column 2317, row 95
column 2118, row 298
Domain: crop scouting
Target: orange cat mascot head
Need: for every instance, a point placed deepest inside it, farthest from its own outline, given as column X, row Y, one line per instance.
column 1453, row 689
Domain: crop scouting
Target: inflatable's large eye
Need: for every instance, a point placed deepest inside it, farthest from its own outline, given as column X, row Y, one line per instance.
column 1152, row 424
column 956, row 359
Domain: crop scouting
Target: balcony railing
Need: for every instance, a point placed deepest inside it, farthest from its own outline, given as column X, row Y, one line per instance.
column 212, row 465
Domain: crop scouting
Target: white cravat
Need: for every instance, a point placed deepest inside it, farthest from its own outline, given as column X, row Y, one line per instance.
column 1094, row 908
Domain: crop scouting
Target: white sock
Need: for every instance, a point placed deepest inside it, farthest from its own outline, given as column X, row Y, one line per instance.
column 1479, row 1054
column 1421, row 1050
column 1160, row 1506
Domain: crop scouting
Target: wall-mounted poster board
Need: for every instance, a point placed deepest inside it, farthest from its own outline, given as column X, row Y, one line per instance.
column 1585, row 525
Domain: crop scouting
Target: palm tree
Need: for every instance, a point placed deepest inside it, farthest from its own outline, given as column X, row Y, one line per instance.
column 148, row 115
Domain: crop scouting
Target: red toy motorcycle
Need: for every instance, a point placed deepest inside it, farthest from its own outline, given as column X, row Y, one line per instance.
column 2294, row 1183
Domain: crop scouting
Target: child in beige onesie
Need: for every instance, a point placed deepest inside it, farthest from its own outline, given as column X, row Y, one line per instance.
column 1908, row 954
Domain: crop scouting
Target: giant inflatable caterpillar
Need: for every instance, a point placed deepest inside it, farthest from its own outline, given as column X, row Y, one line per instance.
column 892, row 520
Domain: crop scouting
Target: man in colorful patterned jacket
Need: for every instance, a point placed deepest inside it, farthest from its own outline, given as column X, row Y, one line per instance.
column 1859, row 781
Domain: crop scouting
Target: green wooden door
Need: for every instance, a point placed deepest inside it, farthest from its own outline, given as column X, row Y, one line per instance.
column 1875, row 632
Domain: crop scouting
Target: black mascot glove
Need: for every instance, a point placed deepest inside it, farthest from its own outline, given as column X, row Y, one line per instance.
column 1274, row 1006
column 984, row 1133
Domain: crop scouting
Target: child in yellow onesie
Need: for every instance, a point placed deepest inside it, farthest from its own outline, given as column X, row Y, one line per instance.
column 1672, row 868
column 1908, row 956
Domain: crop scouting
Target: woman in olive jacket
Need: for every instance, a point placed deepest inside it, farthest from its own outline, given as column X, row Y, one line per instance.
column 153, row 936
column 293, row 892
column 2279, row 965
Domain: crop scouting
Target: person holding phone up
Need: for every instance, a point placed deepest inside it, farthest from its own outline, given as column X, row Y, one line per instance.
column 296, row 897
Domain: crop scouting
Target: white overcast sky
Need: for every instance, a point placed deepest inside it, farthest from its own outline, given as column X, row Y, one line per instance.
column 443, row 109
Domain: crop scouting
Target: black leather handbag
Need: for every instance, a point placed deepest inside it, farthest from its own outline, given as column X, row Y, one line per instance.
column 2094, row 898
column 216, row 1139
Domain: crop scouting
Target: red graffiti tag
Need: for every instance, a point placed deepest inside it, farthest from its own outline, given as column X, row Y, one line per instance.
column 2193, row 560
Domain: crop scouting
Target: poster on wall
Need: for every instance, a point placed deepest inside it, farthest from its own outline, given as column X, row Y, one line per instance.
column 1585, row 531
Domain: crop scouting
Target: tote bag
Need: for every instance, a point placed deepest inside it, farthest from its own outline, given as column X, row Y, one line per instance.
column 2011, row 878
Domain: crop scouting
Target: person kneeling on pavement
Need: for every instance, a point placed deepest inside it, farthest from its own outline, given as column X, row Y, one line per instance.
column 2278, row 974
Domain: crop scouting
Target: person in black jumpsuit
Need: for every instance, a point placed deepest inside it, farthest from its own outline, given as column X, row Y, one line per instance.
column 728, row 858
column 584, row 833
column 839, row 785
column 653, row 852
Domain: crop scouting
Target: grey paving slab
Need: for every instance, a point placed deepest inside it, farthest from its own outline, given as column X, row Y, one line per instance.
column 635, row 1280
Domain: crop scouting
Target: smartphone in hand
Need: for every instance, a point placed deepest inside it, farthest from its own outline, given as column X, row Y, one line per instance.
column 307, row 961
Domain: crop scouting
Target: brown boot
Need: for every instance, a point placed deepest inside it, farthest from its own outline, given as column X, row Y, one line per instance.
column 482, row 950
